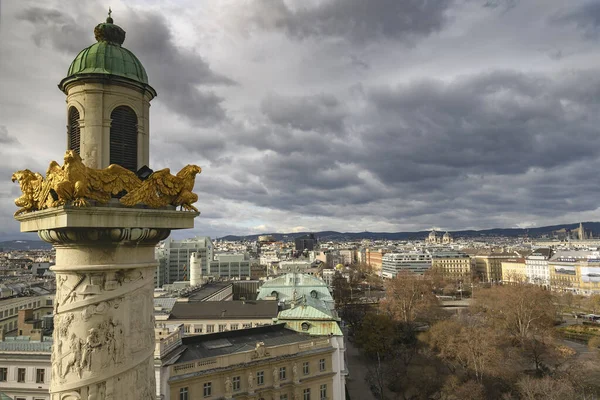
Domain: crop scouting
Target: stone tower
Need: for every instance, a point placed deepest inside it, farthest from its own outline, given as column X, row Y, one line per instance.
column 108, row 102
column 105, row 263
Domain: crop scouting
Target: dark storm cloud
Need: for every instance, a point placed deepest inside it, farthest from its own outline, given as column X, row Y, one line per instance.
column 176, row 74
column 60, row 29
column 585, row 17
column 355, row 20
column 476, row 146
column 318, row 112
column 503, row 122
column 180, row 76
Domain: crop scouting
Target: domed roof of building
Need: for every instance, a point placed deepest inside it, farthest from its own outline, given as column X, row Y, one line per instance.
column 432, row 234
column 107, row 57
column 447, row 235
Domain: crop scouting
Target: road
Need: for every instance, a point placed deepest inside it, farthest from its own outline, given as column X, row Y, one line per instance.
column 357, row 368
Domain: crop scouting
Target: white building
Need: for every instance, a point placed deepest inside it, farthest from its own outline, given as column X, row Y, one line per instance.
column 536, row 267
column 25, row 367
column 412, row 261
column 174, row 258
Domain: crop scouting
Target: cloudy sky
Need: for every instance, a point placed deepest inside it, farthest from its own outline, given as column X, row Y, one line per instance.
column 348, row 115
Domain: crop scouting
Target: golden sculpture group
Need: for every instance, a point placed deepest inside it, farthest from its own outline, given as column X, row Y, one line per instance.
column 75, row 183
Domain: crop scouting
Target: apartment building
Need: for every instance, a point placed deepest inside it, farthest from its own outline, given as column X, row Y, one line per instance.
column 453, row 265
column 269, row 362
column 514, row 271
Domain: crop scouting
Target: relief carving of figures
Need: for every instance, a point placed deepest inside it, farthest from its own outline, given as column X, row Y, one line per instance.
column 103, row 346
column 93, row 342
column 100, row 308
column 138, row 324
column 74, row 357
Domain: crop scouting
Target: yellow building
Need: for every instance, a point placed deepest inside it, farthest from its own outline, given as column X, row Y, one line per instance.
column 374, row 258
column 577, row 272
column 514, row 270
column 269, row 362
column 488, row 265
column 452, row 265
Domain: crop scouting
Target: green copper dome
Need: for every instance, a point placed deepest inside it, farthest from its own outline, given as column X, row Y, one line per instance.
column 107, row 58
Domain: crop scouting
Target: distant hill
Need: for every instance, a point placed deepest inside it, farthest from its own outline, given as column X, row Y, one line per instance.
column 24, row 245
column 537, row 232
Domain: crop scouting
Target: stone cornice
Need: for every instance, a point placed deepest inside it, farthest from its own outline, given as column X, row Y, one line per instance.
column 109, row 216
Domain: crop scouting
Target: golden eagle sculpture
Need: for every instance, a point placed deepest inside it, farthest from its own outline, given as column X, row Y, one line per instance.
column 161, row 189
column 75, row 182
column 35, row 191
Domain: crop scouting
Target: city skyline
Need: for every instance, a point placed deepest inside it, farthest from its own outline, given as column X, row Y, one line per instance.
column 464, row 114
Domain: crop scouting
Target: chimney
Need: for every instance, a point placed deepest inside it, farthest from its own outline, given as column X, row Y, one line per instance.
column 36, row 335
column 22, row 325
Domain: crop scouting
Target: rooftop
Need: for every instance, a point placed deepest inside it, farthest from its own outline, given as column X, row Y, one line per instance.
column 223, row 343
column 225, row 309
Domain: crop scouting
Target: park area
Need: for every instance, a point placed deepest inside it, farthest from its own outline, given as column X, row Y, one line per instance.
column 512, row 342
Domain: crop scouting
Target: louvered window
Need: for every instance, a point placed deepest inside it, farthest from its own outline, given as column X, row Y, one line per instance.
column 123, row 138
column 73, row 130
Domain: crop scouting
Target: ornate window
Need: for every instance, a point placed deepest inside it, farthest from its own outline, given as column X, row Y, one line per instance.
column 260, row 378
column 73, row 130
column 123, row 138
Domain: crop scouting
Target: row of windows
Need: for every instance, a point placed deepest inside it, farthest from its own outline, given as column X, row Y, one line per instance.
column 40, row 375
column 23, row 398
column 184, row 393
column 15, row 310
column 236, row 382
column 210, row 328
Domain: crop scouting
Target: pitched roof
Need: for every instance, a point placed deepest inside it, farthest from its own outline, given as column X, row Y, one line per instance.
column 225, row 309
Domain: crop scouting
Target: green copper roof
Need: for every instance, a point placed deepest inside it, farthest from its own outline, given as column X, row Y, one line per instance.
column 107, row 58
column 4, row 396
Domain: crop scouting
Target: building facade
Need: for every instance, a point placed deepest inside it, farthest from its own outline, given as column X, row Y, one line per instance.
column 9, row 310
column 413, row 261
column 374, row 258
column 453, row 265
column 219, row 316
column 536, row 267
column 306, row 242
column 575, row 271
column 514, row 271
column 174, row 258
column 25, row 367
column 488, row 266
column 263, row 363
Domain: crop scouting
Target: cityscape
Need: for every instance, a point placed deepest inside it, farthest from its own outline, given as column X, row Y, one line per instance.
column 284, row 200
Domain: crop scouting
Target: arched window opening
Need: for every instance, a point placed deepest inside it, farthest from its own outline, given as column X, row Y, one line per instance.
column 73, row 130
column 123, row 138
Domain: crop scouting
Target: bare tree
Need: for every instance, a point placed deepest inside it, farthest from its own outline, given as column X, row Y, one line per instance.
column 409, row 297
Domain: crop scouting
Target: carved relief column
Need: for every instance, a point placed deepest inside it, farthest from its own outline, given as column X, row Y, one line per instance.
column 103, row 311
column 103, row 320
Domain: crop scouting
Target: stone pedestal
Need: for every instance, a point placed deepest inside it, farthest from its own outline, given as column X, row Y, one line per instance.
column 103, row 310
